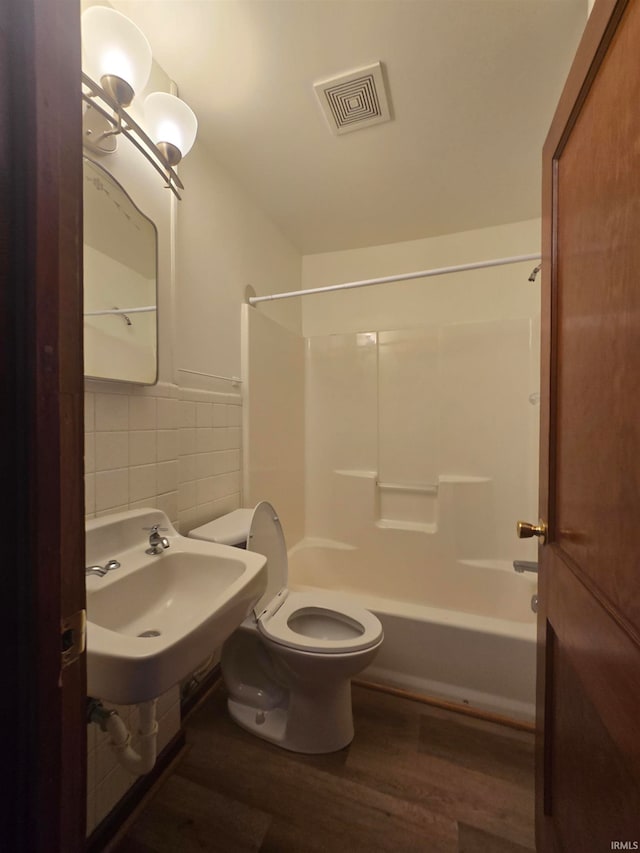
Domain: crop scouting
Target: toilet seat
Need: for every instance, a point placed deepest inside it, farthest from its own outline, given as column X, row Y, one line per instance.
column 317, row 621
column 320, row 622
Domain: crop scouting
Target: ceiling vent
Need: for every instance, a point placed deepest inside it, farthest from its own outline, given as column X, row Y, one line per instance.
column 354, row 100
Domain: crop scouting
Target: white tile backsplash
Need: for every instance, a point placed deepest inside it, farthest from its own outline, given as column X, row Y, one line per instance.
column 142, row 482
column 204, row 440
column 233, row 438
column 168, row 503
column 167, row 413
column 187, row 440
column 220, row 417
column 143, row 446
column 112, row 488
column 112, row 450
column 90, row 452
column 187, row 414
column 177, row 449
column 167, row 449
column 234, row 416
column 220, row 438
column 89, row 494
column 186, row 495
column 188, row 467
column 204, row 415
column 205, row 464
column 89, row 412
column 142, row 413
column 112, row 412
column 167, row 476
column 205, row 489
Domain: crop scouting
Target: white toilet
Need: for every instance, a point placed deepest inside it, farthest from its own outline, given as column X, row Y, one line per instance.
column 288, row 667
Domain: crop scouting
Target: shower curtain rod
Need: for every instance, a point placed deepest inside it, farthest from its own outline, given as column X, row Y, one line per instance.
column 478, row 265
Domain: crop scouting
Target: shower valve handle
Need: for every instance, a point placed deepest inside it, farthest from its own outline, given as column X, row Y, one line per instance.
column 526, row 530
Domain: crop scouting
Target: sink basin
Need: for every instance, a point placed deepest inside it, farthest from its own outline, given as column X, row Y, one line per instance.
column 152, row 621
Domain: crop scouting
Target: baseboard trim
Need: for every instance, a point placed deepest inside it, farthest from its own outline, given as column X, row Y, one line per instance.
column 106, row 835
column 479, row 714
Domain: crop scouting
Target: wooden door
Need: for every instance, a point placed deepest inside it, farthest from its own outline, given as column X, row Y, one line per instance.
column 588, row 745
column 41, row 415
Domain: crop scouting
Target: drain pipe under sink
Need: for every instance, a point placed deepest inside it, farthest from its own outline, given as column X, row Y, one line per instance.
column 120, row 737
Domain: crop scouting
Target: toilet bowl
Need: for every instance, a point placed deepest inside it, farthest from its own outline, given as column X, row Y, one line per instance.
column 288, row 667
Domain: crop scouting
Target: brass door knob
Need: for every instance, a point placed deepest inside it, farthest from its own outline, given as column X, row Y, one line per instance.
column 526, row 530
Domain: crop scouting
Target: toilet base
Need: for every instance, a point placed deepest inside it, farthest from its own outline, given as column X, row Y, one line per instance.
column 313, row 722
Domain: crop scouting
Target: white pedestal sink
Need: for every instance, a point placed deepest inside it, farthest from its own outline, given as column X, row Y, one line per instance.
column 153, row 620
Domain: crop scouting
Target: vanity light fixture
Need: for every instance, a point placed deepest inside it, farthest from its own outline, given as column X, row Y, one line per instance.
column 117, row 61
column 172, row 125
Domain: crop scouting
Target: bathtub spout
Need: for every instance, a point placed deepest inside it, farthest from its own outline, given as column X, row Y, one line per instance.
column 525, row 566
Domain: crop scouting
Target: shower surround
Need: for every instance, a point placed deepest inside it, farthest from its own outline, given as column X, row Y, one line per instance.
column 421, row 450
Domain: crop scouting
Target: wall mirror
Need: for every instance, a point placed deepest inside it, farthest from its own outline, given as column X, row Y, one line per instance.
column 120, row 283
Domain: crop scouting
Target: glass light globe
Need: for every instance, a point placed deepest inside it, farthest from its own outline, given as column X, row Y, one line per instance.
column 114, row 48
column 171, row 124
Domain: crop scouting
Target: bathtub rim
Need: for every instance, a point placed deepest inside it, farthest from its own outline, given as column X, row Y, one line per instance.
column 422, row 612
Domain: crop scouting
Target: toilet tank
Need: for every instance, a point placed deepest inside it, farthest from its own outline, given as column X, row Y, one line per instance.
column 229, row 529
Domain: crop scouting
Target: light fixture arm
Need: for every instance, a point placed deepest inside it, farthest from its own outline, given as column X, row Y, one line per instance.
column 122, row 123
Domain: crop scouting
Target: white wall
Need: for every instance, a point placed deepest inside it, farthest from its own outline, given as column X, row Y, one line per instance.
column 224, row 244
column 476, row 296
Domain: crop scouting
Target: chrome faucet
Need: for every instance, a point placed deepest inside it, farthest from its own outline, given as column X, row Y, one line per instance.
column 156, row 541
column 100, row 571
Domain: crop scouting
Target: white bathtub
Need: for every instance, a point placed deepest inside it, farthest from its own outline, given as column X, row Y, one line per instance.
column 462, row 632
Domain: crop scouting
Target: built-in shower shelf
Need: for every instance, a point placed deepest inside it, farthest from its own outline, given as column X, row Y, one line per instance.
column 320, row 542
column 412, row 488
column 462, row 478
column 396, row 524
column 428, row 488
column 398, row 504
column 356, row 472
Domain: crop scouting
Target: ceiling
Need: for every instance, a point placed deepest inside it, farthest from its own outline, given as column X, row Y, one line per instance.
column 473, row 86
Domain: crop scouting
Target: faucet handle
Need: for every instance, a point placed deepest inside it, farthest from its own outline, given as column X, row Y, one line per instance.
column 101, row 571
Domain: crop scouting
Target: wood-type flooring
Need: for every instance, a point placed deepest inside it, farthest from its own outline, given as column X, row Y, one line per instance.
column 416, row 779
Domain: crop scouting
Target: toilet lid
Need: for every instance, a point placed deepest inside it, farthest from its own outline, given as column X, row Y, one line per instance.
column 266, row 537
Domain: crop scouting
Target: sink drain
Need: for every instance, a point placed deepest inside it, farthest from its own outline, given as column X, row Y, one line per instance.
column 150, row 633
